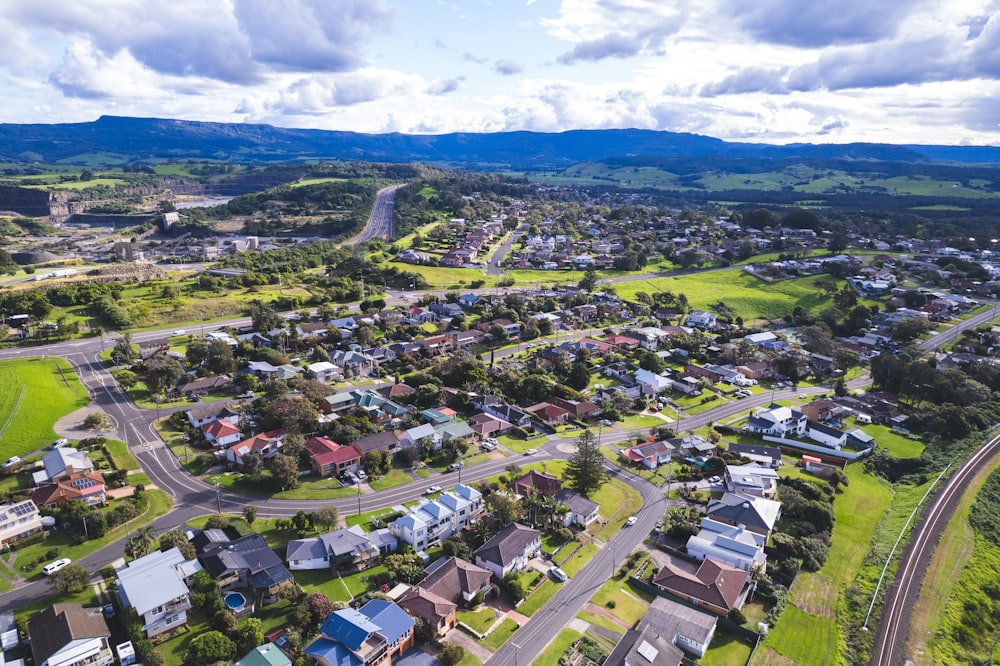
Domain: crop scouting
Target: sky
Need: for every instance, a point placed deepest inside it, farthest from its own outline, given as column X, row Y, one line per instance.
column 773, row 71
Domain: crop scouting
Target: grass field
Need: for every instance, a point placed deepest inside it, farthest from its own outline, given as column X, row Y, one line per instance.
column 500, row 635
column 34, row 394
column 808, row 631
column 618, row 501
column 395, row 477
column 749, row 296
column 557, row 647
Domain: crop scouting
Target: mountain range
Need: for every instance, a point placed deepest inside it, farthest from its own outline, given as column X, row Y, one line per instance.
column 116, row 140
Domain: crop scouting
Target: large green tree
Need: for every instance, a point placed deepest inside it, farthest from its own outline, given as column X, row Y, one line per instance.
column 585, row 469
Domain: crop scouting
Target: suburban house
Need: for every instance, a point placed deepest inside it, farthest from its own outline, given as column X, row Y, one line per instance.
column 487, row 425
column 582, row 512
column 414, row 436
column 371, row 635
column 666, row 626
column 87, row 487
column 266, row 444
column 268, row 654
column 456, row 580
column 548, row 413
column 328, row 458
column 154, row 586
column 536, row 483
column 652, row 383
column 221, row 432
column 18, row 520
column 433, row 521
column 70, row 635
column 779, row 421
column 346, row 549
column 826, row 435
column 651, row 454
column 509, row 413
column 433, row 609
column 204, row 414
column 701, row 319
column 757, row 514
column 60, row 462
column 692, row 446
column 509, row 550
column 767, row 456
column 751, row 479
column 248, row 563
column 323, row 371
column 733, row 545
column 203, row 385
column 386, row 442
column 578, row 409
column 717, row 588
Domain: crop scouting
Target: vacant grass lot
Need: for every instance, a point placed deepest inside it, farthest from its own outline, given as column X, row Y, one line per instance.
column 808, row 631
column 749, row 296
column 395, row 477
column 557, row 647
column 33, row 396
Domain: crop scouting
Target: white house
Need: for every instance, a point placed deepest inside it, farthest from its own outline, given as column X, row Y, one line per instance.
column 433, row 521
column 510, row 550
column 582, row 512
column 778, row 420
column 752, row 479
column 323, row 371
column 18, row 520
column 733, row 545
column 701, row 319
column 154, row 586
column 827, row 436
column 651, row 382
column 414, row 435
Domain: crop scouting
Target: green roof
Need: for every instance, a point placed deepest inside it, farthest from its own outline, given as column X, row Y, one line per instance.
column 265, row 655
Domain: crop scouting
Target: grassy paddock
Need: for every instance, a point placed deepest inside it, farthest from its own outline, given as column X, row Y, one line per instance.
column 34, row 394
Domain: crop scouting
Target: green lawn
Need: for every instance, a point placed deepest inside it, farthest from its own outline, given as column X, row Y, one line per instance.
column 621, row 592
column 579, row 558
column 310, row 488
column 618, row 501
column 639, row 422
column 538, row 598
column 518, row 445
column 121, row 456
column 500, row 635
column 726, row 648
column 395, row 477
column 34, row 394
column 557, row 647
column 894, row 441
column 322, row 580
column 808, row 632
column 479, row 620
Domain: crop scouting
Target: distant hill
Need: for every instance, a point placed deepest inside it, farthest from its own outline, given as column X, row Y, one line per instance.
column 117, row 140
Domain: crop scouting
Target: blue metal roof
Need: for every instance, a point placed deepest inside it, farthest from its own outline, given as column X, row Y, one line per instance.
column 349, row 627
column 393, row 620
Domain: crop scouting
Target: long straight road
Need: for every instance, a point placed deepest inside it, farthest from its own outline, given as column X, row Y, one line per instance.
column 380, row 220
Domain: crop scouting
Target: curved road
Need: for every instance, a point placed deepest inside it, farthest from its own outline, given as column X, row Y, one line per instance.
column 193, row 497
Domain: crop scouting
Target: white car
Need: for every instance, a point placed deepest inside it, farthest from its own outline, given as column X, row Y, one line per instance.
column 432, row 489
column 630, row 521
column 487, row 446
column 530, row 452
column 558, row 574
column 53, row 567
column 13, row 460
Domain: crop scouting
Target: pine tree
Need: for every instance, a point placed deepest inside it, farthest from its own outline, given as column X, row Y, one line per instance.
column 585, row 470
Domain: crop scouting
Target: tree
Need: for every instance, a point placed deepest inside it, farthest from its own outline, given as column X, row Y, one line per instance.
column 285, row 471
column 451, row 654
column 505, row 508
column 405, row 567
column 210, row 647
column 585, row 469
column 220, row 357
column 162, row 373
column 293, row 414
column 250, row 514
column 579, row 375
column 326, row 517
column 70, row 579
column 263, row 316
column 250, row 635
column 177, row 539
column 124, row 352
column 252, row 463
column 140, row 541
column 589, row 280
column 320, row 607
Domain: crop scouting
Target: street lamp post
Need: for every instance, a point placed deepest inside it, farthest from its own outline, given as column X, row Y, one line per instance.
column 218, row 496
column 359, row 496
column 517, row 651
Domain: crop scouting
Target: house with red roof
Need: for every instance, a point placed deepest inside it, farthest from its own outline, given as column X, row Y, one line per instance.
column 221, row 433
column 266, row 444
column 331, row 459
column 87, row 486
column 711, row 586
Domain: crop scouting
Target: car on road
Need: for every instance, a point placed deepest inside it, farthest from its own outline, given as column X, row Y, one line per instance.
column 558, row 574
column 530, row 452
column 454, row 466
column 53, row 567
column 630, row 521
column 248, row 394
column 177, row 334
column 13, row 460
column 432, row 489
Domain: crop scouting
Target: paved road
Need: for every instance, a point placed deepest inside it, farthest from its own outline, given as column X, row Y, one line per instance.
column 493, row 265
column 380, row 221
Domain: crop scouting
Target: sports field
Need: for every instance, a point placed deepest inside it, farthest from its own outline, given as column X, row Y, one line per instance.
column 34, row 394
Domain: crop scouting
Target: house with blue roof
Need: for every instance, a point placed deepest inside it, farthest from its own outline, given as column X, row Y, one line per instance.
column 373, row 634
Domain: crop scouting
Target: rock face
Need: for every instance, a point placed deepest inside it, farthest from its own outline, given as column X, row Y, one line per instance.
column 27, row 202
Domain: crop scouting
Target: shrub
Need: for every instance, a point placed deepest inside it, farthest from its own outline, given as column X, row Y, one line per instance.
column 612, row 603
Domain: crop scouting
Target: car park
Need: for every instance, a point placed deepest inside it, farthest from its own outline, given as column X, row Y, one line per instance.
column 13, row 460
column 630, row 521
column 558, row 574
column 432, row 489
column 53, row 567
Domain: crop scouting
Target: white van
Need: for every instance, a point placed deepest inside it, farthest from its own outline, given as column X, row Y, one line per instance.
column 53, row 567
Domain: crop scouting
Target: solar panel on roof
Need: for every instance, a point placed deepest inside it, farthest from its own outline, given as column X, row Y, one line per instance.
column 648, row 652
column 23, row 509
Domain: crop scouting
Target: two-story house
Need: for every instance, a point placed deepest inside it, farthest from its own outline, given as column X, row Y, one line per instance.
column 370, row 636
column 87, row 487
column 509, row 550
column 18, row 520
column 346, row 549
column 154, row 587
column 266, row 444
column 778, row 420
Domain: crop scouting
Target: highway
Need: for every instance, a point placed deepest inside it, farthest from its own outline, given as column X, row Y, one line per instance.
column 380, row 220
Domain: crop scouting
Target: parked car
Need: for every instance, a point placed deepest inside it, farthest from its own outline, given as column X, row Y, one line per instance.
column 558, row 574
column 62, row 441
column 351, row 477
column 630, row 521
column 53, row 567
column 432, row 489
column 455, row 466
column 108, row 610
column 13, row 460
column 658, row 528
column 492, row 440
column 714, row 480
column 487, row 446
column 361, row 474
column 530, row 452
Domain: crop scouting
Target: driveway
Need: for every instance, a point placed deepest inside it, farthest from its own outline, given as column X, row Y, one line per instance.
column 416, row 657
